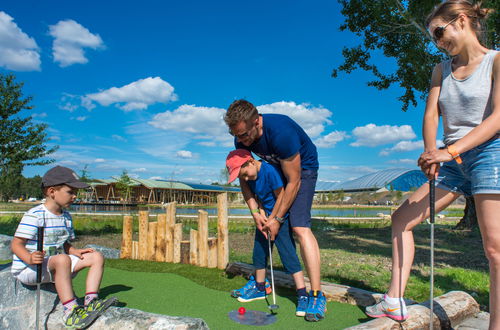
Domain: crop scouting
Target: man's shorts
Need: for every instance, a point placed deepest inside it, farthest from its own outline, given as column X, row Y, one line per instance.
column 28, row 275
column 300, row 211
column 479, row 172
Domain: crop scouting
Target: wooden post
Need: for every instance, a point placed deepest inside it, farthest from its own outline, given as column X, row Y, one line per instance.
column 222, row 232
column 185, row 252
column 169, row 236
column 212, row 252
column 143, row 234
column 161, row 232
column 203, row 238
column 126, row 251
column 177, row 243
column 193, row 247
column 152, row 241
column 135, row 250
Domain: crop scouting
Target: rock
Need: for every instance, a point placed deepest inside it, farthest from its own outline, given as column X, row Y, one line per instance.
column 481, row 321
column 5, row 252
column 17, row 311
column 450, row 310
column 108, row 253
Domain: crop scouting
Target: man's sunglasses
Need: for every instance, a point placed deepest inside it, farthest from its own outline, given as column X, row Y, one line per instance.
column 439, row 31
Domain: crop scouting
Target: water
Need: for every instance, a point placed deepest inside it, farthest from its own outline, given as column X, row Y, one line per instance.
column 345, row 212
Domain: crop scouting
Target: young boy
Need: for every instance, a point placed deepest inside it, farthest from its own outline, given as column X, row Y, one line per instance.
column 266, row 184
column 60, row 260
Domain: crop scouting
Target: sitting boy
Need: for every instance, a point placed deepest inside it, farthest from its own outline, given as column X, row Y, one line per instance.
column 60, row 260
column 266, row 184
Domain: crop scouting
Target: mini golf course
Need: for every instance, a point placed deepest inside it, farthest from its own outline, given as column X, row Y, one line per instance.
column 175, row 295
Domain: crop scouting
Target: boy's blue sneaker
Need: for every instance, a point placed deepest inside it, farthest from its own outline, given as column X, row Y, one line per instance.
column 252, row 294
column 251, row 283
column 302, row 303
column 316, row 307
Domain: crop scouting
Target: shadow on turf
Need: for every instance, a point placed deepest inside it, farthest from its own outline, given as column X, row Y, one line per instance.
column 110, row 289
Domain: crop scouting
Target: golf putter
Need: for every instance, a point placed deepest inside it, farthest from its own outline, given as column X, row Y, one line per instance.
column 272, row 307
column 39, row 247
column 432, row 204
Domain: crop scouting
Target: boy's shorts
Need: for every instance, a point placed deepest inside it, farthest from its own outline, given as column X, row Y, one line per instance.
column 28, row 275
column 300, row 211
column 479, row 172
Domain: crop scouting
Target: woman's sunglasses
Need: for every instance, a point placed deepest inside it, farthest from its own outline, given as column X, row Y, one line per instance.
column 439, row 31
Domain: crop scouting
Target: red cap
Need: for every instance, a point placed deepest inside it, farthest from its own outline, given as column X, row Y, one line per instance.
column 235, row 160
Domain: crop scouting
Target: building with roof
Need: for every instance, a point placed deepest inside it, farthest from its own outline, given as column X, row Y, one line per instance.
column 151, row 191
column 390, row 179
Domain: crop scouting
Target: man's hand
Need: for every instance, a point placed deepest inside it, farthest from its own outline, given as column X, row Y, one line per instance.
column 36, row 257
column 273, row 227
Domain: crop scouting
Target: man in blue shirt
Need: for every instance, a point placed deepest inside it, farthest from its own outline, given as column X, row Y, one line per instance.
column 282, row 142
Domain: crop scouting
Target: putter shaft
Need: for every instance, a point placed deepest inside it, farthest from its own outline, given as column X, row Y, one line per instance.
column 273, row 306
column 432, row 211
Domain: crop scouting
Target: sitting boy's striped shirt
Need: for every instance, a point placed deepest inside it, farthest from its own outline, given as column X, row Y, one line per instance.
column 58, row 230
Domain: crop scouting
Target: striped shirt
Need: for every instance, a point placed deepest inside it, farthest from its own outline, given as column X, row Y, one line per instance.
column 58, row 230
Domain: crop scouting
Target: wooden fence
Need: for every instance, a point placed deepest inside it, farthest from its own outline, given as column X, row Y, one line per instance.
column 162, row 240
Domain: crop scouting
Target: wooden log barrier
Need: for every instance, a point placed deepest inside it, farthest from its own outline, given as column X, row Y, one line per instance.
column 212, row 252
column 135, row 250
column 143, row 234
column 203, row 238
column 185, row 252
column 177, row 243
column 126, row 249
column 169, row 233
column 161, row 232
column 193, row 247
column 152, row 241
column 222, row 232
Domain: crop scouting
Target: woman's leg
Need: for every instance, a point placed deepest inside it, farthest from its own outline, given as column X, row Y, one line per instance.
column 487, row 207
column 412, row 212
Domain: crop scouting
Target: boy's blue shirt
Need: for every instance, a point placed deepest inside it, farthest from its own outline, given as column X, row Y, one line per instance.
column 281, row 139
column 268, row 180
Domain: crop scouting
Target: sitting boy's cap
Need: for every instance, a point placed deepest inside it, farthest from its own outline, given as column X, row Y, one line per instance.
column 62, row 175
column 235, row 160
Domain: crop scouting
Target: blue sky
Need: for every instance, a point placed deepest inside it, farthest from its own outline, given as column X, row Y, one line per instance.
column 142, row 86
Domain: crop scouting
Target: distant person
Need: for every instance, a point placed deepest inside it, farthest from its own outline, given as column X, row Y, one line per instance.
column 60, row 260
column 266, row 186
column 465, row 92
column 282, row 142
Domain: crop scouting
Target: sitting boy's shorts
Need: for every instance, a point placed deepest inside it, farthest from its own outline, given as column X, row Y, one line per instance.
column 28, row 275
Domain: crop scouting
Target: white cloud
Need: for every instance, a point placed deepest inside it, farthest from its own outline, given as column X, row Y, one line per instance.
column 403, row 161
column 403, row 146
column 80, row 118
column 68, row 163
column 99, row 160
column 141, row 169
column 207, row 144
column 70, row 40
column 118, row 138
column 184, row 154
column 329, row 140
column 372, row 135
column 137, row 95
column 156, row 178
column 39, row 115
column 311, row 119
column 18, row 51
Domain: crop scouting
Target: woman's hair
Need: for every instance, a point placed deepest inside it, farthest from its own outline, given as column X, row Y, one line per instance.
column 450, row 9
column 240, row 110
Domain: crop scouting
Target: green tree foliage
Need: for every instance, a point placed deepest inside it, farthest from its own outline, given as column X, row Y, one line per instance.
column 124, row 186
column 30, row 187
column 22, row 142
column 396, row 29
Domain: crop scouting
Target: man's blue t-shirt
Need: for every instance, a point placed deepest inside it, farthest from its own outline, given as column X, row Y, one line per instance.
column 281, row 139
column 268, row 180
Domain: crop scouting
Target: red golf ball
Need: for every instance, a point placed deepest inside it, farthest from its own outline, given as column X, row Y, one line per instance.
column 241, row 310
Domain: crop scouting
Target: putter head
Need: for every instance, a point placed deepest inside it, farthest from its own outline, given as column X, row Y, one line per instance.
column 273, row 307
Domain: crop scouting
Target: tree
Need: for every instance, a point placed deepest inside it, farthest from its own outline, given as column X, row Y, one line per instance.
column 124, row 186
column 22, row 142
column 396, row 28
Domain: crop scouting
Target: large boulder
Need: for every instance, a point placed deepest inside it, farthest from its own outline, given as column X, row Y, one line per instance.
column 108, row 253
column 18, row 301
column 5, row 252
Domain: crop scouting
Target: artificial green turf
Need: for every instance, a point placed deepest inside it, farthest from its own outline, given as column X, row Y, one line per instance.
column 175, row 295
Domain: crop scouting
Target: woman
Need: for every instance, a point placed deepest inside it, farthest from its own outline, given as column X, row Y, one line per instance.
column 465, row 91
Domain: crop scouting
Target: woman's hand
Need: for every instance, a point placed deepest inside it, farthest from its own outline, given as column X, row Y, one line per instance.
column 430, row 161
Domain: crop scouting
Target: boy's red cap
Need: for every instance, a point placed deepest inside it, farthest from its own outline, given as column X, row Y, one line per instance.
column 235, row 160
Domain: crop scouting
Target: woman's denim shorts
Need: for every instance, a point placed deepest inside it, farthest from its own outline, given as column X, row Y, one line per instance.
column 479, row 172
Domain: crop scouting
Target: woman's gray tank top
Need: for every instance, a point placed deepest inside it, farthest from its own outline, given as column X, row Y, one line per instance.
column 465, row 103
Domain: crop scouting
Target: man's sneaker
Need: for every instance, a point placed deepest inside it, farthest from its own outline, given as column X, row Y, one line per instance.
column 397, row 312
column 79, row 318
column 302, row 303
column 99, row 306
column 316, row 307
column 239, row 292
column 252, row 294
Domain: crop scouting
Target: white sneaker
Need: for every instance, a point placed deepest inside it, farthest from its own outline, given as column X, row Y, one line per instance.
column 397, row 312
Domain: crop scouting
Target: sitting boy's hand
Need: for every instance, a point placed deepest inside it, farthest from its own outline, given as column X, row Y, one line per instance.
column 80, row 252
column 36, row 257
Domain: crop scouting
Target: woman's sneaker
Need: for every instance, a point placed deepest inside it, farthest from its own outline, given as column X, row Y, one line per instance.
column 316, row 307
column 252, row 294
column 397, row 312
column 301, row 306
column 251, row 283
column 79, row 318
